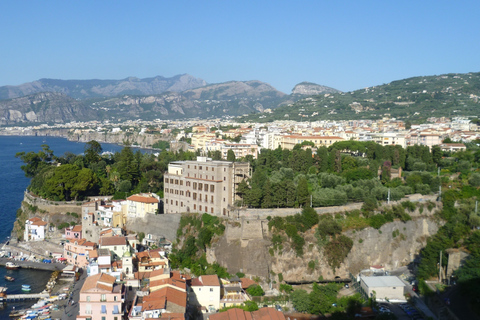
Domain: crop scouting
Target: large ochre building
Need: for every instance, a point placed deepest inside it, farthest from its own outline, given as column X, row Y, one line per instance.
column 203, row 186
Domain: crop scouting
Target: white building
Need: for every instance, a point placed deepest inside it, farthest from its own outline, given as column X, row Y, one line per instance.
column 384, row 288
column 34, row 229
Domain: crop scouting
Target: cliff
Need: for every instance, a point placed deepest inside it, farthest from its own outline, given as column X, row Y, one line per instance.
column 246, row 247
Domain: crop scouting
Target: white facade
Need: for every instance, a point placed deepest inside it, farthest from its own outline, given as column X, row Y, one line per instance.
column 34, row 229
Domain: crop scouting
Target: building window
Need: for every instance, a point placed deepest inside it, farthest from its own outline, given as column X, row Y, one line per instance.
column 195, row 167
column 211, row 289
column 194, row 196
column 181, row 182
column 171, row 181
column 211, row 210
column 200, row 186
column 88, row 298
column 188, row 166
column 213, row 169
column 211, row 199
column 224, row 188
column 176, row 181
column 176, row 203
column 212, row 187
column 224, row 169
column 104, row 296
column 181, row 204
column 223, row 199
column 206, row 209
column 224, row 179
column 199, row 167
column 194, row 186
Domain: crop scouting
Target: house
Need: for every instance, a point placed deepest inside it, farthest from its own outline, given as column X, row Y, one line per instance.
column 266, row 313
column 77, row 252
column 453, row 147
column 151, row 260
column 118, row 245
column 34, row 229
column 167, row 303
column 139, row 205
column 206, row 292
column 232, row 293
column 384, row 288
column 101, row 298
column 74, row 232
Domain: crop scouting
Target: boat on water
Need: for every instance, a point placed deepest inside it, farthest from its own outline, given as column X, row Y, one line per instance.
column 11, row 265
column 3, row 294
column 26, row 287
column 8, row 278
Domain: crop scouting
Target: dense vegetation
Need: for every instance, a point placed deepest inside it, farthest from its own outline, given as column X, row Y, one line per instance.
column 415, row 99
column 347, row 171
column 75, row 177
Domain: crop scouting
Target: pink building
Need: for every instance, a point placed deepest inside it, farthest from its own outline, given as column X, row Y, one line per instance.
column 77, row 251
column 74, row 232
column 101, row 298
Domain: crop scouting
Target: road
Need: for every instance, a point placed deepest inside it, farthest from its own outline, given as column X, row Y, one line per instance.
column 71, row 309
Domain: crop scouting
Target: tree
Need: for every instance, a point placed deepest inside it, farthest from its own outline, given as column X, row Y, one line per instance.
column 300, row 300
column 93, row 149
column 255, row 291
column 230, row 155
column 302, row 191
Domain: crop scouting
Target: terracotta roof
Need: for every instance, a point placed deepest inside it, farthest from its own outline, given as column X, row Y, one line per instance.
column 101, row 281
column 77, row 228
column 246, row 282
column 239, row 314
column 172, row 295
column 143, row 199
column 165, row 282
column 39, row 223
column 172, row 316
column 206, row 280
column 113, row 241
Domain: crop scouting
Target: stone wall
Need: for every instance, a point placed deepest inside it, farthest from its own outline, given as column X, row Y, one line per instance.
column 248, row 213
column 161, row 224
column 53, row 206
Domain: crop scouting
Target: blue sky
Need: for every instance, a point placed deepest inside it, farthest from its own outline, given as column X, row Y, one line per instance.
column 347, row 45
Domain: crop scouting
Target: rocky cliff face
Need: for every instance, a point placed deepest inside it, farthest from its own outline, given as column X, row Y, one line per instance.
column 44, row 107
column 309, row 89
column 85, row 89
column 245, row 248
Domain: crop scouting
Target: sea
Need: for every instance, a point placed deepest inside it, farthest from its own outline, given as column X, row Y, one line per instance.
column 12, row 185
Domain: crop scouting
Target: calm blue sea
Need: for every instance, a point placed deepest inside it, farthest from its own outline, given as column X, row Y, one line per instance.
column 12, row 185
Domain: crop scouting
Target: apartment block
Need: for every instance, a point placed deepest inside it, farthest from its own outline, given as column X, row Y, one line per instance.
column 203, row 185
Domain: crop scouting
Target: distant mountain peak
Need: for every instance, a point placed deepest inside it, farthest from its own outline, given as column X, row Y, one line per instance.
column 310, row 88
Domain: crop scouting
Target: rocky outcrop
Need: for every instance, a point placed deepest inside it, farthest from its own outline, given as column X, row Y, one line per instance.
column 245, row 247
column 309, row 89
column 44, row 107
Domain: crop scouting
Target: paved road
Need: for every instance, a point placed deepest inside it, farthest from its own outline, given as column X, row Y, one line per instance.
column 71, row 310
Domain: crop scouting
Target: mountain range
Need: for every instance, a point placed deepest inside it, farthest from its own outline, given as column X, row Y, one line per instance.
column 178, row 97
column 184, row 96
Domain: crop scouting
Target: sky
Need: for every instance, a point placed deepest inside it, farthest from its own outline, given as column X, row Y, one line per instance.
column 347, row 45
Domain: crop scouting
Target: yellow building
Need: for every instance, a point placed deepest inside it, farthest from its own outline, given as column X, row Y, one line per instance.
column 288, row 142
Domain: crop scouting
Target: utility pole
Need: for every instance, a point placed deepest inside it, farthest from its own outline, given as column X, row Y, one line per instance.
column 388, row 197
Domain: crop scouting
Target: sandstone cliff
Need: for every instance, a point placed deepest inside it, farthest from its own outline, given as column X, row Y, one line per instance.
column 245, row 248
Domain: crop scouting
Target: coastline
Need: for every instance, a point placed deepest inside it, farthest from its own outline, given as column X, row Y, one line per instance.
column 137, row 140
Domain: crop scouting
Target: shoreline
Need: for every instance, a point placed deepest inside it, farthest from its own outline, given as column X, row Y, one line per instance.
column 26, row 264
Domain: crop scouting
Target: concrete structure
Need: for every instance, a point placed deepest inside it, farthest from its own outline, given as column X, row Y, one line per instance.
column 385, row 287
column 139, row 205
column 206, row 292
column 203, row 186
column 101, row 298
column 453, row 147
column 34, row 229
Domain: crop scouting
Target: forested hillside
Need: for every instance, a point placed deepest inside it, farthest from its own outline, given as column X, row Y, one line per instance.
column 416, row 98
